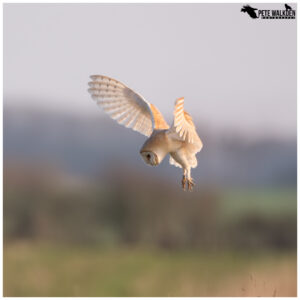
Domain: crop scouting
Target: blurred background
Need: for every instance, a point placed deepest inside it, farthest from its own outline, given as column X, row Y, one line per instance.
column 84, row 215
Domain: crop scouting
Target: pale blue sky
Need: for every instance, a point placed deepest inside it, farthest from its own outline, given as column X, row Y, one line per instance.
column 234, row 72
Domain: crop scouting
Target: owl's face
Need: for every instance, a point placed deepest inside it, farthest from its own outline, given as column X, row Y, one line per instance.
column 150, row 158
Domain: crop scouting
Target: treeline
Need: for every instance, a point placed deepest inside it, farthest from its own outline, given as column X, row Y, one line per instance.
column 129, row 208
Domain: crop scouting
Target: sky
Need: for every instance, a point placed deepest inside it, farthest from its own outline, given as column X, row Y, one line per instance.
column 236, row 73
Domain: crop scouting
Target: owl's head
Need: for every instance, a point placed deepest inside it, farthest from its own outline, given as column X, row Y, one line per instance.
column 150, row 158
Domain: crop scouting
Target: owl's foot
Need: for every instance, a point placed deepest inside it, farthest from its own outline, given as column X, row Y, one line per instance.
column 189, row 181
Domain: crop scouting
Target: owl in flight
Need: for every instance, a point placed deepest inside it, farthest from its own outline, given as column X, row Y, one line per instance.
column 130, row 109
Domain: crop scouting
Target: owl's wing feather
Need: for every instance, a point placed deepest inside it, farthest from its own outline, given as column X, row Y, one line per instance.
column 125, row 106
column 183, row 127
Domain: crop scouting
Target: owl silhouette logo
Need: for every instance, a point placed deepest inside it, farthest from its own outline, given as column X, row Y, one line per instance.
column 250, row 11
column 287, row 7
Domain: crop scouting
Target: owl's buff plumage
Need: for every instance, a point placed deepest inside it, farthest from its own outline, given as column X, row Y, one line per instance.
column 130, row 109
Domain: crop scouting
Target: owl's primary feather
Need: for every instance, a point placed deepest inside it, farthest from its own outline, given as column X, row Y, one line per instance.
column 125, row 106
column 130, row 109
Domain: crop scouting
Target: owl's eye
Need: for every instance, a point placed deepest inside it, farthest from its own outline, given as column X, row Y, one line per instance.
column 148, row 156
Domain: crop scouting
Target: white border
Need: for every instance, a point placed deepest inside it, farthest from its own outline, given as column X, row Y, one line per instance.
column 134, row 1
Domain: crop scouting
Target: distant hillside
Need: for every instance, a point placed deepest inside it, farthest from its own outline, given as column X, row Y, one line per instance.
column 91, row 146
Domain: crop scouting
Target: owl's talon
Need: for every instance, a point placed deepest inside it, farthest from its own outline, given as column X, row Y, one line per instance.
column 191, row 184
column 187, row 182
column 183, row 182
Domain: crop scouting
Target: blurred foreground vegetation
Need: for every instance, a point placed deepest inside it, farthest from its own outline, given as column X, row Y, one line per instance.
column 128, row 234
column 32, row 269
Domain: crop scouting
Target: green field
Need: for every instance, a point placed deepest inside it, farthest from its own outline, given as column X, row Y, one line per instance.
column 48, row 270
column 268, row 202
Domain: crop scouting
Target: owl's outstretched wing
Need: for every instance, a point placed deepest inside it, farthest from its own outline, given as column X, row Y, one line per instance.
column 183, row 125
column 125, row 106
column 183, row 129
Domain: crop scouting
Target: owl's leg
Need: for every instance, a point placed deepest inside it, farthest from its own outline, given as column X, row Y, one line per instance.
column 183, row 181
column 180, row 158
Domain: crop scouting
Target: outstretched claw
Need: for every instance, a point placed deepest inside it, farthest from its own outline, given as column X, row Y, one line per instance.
column 183, row 182
column 191, row 184
column 187, row 181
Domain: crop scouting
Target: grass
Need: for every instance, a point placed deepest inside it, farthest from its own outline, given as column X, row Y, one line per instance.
column 36, row 269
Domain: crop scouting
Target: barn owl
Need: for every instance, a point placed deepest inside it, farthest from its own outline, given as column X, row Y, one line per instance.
column 130, row 109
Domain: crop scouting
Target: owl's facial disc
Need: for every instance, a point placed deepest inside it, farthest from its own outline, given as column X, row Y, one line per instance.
column 150, row 158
